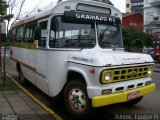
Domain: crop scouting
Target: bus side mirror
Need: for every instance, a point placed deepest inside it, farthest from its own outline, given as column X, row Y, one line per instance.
column 37, row 34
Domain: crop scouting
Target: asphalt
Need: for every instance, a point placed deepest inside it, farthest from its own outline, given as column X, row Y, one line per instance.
column 17, row 105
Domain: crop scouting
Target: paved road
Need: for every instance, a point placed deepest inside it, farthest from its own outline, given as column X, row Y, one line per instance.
column 149, row 107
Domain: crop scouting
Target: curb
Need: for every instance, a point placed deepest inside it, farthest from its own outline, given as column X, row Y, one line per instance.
column 51, row 112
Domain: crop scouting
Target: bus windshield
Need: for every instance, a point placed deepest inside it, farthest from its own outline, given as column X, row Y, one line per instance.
column 72, row 34
column 81, row 34
column 109, row 35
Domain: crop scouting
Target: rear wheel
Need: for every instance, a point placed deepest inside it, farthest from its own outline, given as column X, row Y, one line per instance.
column 76, row 99
column 21, row 77
column 133, row 102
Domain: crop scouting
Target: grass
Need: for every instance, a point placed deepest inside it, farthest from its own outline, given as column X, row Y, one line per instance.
column 9, row 85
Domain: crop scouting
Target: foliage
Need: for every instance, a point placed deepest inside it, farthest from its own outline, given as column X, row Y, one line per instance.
column 148, row 40
column 14, row 5
column 3, row 10
column 8, row 17
column 137, row 39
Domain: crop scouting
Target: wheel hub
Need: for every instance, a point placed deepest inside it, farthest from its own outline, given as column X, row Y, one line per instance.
column 77, row 99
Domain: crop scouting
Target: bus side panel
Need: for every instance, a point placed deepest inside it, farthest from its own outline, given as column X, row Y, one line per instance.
column 56, row 71
column 40, row 75
column 25, row 57
column 42, row 83
column 28, row 74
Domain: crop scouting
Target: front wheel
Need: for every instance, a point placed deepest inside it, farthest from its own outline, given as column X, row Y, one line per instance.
column 76, row 99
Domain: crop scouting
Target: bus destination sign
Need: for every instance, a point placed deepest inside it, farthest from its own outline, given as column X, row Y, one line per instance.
column 86, row 16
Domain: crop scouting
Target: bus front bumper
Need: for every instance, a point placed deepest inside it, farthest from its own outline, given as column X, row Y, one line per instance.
column 120, row 97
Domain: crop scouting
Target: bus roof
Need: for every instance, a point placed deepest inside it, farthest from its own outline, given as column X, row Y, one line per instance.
column 69, row 5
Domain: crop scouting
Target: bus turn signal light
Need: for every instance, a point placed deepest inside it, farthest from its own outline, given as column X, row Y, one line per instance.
column 92, row 70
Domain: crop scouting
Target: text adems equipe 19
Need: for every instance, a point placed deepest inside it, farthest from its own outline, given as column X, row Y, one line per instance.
column 137, row 116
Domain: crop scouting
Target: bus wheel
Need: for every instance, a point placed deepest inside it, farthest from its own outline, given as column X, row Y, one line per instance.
column 21, row 77
column 76, row 99
column 133, row 102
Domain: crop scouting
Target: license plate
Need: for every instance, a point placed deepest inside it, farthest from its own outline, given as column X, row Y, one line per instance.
column 133, row 95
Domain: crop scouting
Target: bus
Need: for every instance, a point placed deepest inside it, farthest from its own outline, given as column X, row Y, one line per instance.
column 75, row 49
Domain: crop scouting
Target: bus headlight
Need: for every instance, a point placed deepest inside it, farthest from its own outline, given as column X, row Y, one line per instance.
column 150, row 71
column 106, row 77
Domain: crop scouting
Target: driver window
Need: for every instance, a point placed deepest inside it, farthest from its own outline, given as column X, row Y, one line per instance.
column 52, row 38
column 43, row 34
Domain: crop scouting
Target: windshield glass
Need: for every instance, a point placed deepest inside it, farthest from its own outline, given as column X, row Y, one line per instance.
column 109, row 36
column 66, row 34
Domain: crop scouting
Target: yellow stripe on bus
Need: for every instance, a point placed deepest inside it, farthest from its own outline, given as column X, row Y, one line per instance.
column 33, row 45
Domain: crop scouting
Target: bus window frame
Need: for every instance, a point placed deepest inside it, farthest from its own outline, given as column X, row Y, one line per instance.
column 47, row 33
column 19, row 40
column 23, row 40
column 31, row 39
column 50, row 26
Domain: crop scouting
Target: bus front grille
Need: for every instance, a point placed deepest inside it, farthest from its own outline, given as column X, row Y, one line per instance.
column 128, row 73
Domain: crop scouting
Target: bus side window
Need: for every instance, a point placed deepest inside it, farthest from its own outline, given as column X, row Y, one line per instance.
column 19, row 34
column 43, row 34
column 29, row 32
column 37, row 34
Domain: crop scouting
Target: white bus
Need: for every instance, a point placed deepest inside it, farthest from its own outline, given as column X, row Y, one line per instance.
column 76, row 49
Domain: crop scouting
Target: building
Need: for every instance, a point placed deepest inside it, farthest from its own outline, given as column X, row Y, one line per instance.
column 128, row 6
column 134, row 14
column 152, row 18
column 134, row 6
column 133, row 20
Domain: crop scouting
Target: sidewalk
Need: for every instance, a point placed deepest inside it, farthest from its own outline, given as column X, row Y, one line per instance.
column 16, row 105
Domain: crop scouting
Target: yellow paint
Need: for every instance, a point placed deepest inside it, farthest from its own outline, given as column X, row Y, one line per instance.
column 121, row 96
column 33, row 45
column 51, row 112
column 123, row 74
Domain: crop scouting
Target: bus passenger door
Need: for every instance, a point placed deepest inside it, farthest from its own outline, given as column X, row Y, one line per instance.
column 40, row 57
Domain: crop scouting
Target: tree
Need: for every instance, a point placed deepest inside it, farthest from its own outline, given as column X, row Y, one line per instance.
column 148, row 40
column 3, row 10
column 132, row 38
column 12, row 5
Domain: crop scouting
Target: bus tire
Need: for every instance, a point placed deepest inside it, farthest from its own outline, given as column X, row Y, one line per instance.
column 21, row 76
column 76, row 99
column 133, row 102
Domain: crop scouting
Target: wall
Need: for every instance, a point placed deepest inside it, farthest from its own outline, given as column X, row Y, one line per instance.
column 133, row 20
